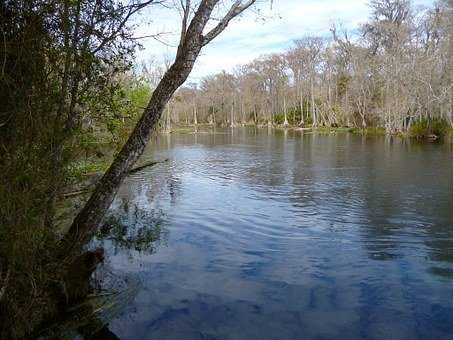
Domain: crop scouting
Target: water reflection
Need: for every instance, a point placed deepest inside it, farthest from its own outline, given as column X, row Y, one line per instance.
column 137, row 229
column 284, row 235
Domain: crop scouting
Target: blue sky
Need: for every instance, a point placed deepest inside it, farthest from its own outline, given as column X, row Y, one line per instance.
column 253, row 35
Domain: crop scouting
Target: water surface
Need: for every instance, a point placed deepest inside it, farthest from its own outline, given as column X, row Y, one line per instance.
column 268, row 234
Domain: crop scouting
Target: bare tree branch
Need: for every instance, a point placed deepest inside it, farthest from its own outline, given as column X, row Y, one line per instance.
column 236, row 9
column 185, row 18
column 132, row 10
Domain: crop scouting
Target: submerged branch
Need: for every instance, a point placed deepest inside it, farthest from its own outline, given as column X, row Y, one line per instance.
column 90, row 187
column 146, row 165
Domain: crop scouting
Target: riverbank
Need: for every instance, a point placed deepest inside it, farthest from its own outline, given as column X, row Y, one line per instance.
column 445, row 137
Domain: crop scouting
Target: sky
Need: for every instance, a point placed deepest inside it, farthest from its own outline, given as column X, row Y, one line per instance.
column 271, row 30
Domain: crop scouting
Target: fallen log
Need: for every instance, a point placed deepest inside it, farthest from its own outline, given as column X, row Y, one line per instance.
column 76, row 193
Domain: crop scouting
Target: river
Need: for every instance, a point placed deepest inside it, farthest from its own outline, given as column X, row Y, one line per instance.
column 272, row 234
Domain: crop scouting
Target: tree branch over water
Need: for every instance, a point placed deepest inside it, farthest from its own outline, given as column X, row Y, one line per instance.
column 191, row 42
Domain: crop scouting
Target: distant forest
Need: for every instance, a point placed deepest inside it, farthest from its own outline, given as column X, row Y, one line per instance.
column 396, row 71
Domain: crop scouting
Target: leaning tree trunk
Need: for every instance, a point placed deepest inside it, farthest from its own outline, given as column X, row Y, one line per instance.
column 88, row 219
column 94, row 210
column 192, row 40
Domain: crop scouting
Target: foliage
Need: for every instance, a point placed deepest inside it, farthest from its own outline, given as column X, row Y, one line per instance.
column 84, row 167
column 294, row 116
column 119, row 109
column 61, row 62
column 137, row 229
column 426, row 127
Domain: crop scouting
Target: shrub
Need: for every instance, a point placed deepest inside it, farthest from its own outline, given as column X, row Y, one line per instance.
column 424, row 127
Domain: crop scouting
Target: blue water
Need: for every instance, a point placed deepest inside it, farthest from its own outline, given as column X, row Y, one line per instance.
column 266, row 234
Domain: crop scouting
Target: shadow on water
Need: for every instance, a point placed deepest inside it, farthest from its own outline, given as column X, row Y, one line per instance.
column 135, row 229
column 270, row 234
column 132, row 228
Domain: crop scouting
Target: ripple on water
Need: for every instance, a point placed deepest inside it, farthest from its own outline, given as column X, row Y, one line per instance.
column 273, row 237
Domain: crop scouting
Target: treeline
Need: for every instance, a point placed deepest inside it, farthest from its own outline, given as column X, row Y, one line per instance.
column 395, row 73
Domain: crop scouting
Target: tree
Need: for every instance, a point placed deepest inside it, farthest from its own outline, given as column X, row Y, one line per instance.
column 192, row 41
column 394, row 73
column 60, row 64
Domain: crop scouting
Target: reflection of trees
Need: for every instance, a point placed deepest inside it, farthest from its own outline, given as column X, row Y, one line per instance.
column 397, row 192
column 126, row 228
column 136, row 220
column 439, row 238
column 381, row 199
column 401, row 198
column 140, row 230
